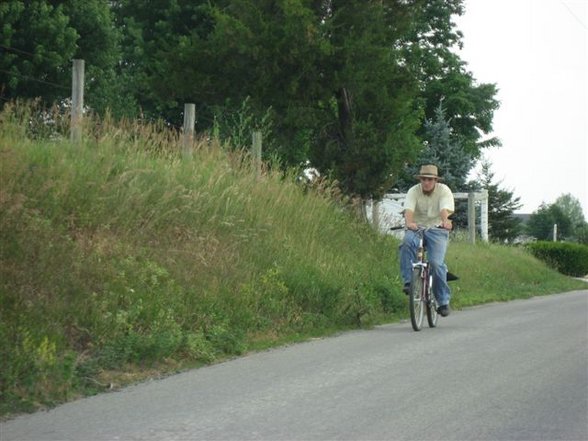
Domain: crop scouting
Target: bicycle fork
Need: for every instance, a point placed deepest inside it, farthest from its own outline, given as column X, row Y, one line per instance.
column 426, row 276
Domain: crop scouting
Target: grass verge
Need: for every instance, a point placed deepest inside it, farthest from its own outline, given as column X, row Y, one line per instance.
column 120, row 260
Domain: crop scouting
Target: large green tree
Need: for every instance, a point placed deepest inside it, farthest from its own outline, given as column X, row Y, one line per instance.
column 347, row 81
column 37, row 43
column 329, row 72
column 219, row 54
column 432, row 51
column 39, row 39
column 370, row 126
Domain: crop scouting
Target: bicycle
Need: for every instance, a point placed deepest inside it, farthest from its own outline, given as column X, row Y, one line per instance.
column 421, row 296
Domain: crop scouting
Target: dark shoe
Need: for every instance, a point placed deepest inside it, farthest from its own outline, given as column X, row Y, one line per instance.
column 443, row 310
column 406, row 289
column 451, row 277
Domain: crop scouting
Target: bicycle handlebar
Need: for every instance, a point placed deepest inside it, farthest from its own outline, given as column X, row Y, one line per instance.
column 420, row 228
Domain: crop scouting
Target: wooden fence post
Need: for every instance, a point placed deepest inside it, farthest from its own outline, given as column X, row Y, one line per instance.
column 77, row 101
column 484, row 216
column 376, row 214
column 472, row 217
column 188, row 135
column 257, row 152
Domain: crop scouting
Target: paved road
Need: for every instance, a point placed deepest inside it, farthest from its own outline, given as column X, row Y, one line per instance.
column 512, row 371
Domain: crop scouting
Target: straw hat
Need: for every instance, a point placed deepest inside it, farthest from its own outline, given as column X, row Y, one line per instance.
column 428, row 171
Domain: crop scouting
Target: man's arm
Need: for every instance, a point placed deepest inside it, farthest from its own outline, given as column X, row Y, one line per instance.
column 409, row 220
column 447, row 207
column 445, row 221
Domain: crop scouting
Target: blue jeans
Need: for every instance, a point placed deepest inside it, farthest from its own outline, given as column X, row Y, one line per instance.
column 436, row 243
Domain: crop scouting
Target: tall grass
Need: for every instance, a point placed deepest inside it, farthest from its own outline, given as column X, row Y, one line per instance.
column 117, row 253
column 120, row 259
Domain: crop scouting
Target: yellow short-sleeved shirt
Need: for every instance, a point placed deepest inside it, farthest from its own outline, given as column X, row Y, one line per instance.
column 427, row 208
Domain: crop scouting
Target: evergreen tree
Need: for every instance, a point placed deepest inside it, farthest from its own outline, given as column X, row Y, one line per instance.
column 441, row 147
column 502, row 225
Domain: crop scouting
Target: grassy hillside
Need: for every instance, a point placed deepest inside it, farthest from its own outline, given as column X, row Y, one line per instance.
column 120, row 260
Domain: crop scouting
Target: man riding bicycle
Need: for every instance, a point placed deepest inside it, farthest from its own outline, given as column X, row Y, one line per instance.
column 428, row 204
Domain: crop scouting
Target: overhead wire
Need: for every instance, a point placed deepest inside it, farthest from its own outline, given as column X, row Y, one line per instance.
column 3, row 46
column 29, row 78
column 574, row 15
column 37, row 80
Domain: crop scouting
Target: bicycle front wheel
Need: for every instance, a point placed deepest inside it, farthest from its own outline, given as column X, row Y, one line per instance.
column 416, row 298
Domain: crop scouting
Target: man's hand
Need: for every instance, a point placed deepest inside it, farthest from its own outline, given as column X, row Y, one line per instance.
column 445, row 221
column 412, row 226
column 447, row 224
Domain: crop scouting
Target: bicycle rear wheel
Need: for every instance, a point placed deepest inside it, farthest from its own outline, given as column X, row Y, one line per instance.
column 416, row 299
column 432, row 315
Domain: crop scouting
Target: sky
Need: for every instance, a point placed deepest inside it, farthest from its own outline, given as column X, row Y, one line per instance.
column 536, row 52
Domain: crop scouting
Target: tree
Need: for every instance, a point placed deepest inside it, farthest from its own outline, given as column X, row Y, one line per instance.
column 39, row 39
column 346, row 83
column 541, row 222
column 572, row 209
column 99, row 45
column 371, row 125
column 441, row 147
column 502, row 225
column 431, row 49
column 582, row 234
column 223, row 54
column 330, row 72
column 458, row 111
column 37, row 43
column 469, row 107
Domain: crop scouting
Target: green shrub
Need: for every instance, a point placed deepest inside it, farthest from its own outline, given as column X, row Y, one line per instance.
column 567, row 258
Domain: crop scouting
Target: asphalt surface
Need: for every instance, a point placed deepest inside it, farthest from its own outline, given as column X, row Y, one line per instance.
column 508, row 371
